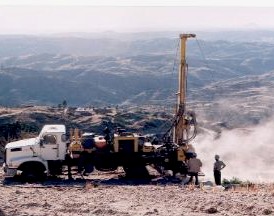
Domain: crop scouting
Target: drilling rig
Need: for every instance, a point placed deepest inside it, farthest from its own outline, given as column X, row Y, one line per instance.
column 50, row 152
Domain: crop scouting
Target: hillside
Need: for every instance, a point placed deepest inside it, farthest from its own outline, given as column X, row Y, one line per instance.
column 128, row 69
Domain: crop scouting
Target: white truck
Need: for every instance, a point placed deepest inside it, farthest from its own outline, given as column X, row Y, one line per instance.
column 47, row 154
column 36, row 157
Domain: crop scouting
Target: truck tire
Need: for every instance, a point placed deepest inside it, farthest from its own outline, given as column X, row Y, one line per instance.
column 105, row 161
column 136, row 169
column 136, row 172
column 32, row 172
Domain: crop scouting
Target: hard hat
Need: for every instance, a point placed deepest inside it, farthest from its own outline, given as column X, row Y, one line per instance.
column 217, row 157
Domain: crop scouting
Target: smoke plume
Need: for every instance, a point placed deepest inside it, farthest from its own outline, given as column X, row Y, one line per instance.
column 247, row 152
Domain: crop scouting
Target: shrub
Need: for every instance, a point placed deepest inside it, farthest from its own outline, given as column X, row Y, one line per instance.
column 234, row 180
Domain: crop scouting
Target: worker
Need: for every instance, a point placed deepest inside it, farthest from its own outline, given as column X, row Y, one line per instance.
column 218, row 166
column 194, row 167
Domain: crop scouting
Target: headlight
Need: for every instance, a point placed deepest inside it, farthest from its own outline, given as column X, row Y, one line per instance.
column 4, row 167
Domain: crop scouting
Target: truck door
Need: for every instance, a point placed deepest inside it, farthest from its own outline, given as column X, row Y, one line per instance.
column 49, row 147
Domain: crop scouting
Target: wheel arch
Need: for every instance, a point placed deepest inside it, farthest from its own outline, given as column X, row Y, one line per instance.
column 33, row 165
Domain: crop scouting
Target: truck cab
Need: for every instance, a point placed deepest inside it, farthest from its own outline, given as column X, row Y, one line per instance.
column 35, row 156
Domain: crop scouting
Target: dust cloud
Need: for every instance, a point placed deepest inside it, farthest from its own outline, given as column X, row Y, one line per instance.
column 247, row 152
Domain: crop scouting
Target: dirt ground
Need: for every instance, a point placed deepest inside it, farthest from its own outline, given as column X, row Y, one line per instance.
column 107, row 194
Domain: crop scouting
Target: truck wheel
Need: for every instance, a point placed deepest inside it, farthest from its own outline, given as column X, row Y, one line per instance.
column 33, row 173
column 136, row 172
column 135, row 167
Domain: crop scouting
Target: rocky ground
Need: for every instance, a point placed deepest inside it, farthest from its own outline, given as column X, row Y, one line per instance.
column 106, row 194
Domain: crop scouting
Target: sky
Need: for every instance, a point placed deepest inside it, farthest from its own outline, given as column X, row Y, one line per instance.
column 59, row 16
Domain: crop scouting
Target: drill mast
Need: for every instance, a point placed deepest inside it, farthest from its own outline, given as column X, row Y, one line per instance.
column 181, row 126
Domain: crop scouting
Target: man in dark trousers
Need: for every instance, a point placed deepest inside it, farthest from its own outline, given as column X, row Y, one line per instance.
column 218, row 166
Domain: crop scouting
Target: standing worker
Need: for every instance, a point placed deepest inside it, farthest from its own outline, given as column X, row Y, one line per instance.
column 218, row 166
column 194, row 166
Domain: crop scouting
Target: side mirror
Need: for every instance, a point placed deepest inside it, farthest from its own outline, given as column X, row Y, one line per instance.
column 64, row 138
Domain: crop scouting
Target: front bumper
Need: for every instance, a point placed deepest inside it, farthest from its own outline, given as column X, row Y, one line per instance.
column 9, row 172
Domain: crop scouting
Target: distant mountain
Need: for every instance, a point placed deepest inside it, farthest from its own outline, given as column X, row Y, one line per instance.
column 31, row 45
column 226, row 70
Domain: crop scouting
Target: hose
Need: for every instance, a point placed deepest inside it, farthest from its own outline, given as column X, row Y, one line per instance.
column 176, row 119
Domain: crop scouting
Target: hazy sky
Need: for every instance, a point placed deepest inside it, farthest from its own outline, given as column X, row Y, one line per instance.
column 30, row 17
